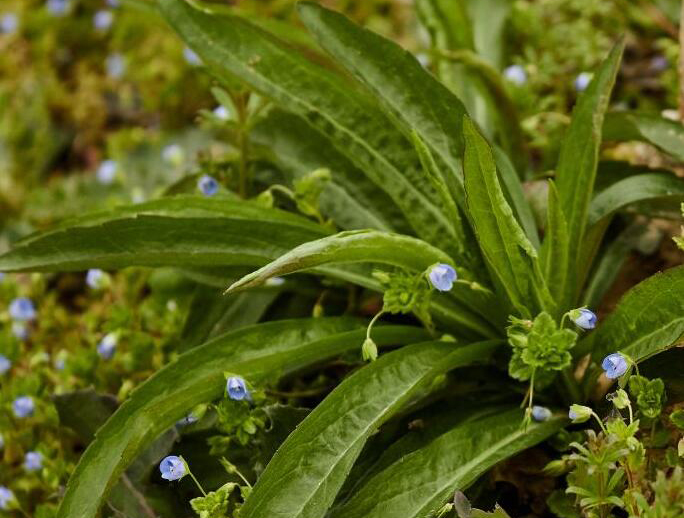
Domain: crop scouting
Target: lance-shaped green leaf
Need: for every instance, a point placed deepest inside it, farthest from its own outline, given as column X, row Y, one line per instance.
column 511, row 256
column 554, row 253
column 183, row 231
column 332, row 436
column 665, row 134
column 658, row 187
column 576, row 170
column 262, row 354
column 648, row 319
column 352, row 121
column 423, row 480
column 349, row 247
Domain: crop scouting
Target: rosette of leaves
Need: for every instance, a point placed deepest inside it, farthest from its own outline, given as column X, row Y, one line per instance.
column 649, row 394
column 416, row 178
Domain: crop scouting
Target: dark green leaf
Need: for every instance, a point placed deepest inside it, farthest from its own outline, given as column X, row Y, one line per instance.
column 648, row 127
column 554, row 253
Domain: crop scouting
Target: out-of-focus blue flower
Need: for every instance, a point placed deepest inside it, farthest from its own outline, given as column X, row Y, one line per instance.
column 516, row 74
column 615, row 365
column 59, row 363
column 584, row 318
column 582, row 81
column 236, row 388
column 33, row 461
column 221, row 112
column 23, row 406
column 113, row 3
column 9, row 23
column 106, row 172
column 57, row 7
column 102, row 20
column 115, row 65
column 2, row 276
column 20, row 330
column 96, row 278
column 442, row 276
column 207, row 185
column 6, row 498
column 659, row 63
column 540, row 413
column 172, row 468
column 22, row 309
column 5, row 364
column 2, row 442
column 173, row 154
column 107, row 346
column 191, row 56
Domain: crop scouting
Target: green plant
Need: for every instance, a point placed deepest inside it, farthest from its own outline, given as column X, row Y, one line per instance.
column 413, row 182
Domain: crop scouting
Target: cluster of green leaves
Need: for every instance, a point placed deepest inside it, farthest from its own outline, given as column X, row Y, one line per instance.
column 415, row 177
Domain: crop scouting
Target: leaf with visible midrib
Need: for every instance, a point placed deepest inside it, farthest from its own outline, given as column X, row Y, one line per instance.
column 262, row 353
column 422, row 480
column 332, row 436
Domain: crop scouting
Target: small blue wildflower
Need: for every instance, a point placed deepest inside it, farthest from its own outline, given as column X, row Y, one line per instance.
column 59, row 363
column 173, row 154
column 9, row 23
column 107, row 346
column 659, row 63
column 615, row 365
column 96, row 278
column 207, row 185
column 584, row 318
column 113, row 3
column 191, row 56
column 115, row 65
column 20, row 330
column 582, row 81
column 102, row 20
column 236, row 388
column 6, row 498
column 442, row 276
column 5, row 364
column 106, row 172
column 540, row 413
column 33, row 461
column 516, row 74
column 221, row 112
column 172, row 468
column 22, row 309
column 23, row 406
column 57, row 7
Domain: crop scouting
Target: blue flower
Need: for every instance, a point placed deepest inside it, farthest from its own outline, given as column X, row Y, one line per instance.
column 584, row 318
column 20, row 330
column 113, row 3
column 57, row 7
column 115, row 65
column 516, row 74
column 236, row 388
column 187, row 420
column 23, row 406
column 615, row 365
column 173, row 154
column 9, row 23
column 107, row 346
column 106, row 172
column 59, row 364
column 96, row 278
column 191, row 56
column 22, row 309
column 659, row 63
column 442, row 276
column 582, row 81
column 540, row 413
column 221, row 112
column 6, row 498
column 103, row 19
column 207, row 185
column 33, row 461
column 172, row 468
column 5, row 364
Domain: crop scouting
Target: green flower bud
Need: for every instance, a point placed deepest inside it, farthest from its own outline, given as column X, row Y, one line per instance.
column 620, row 399
column 369, row 351
column 580, row 413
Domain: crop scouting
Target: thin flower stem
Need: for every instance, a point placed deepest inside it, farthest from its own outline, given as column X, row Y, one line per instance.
column 187, row 468
column 599, row 422
column 372, row 322
column 242, row 477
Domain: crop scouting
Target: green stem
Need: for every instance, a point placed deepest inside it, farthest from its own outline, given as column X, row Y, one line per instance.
column 372, row 322
column 598, row 419
column 187, row 468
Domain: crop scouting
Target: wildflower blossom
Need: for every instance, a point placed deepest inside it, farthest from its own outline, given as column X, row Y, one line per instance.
column 540, row 413
column 22, row 309
column 207, row 185
column 173, row 154
column 615, row 365
column 6, row 498
column 579, row 413
column 236, row 388
column 5, row 364
column 106, row 172
column 516, row 74
column 23, row 406
column 9, row 23
column 221, row 112
column 442, row 276
column 57, row 7
column 102, row 20
column 584, row 318
column 96, row 278
column 191, row 56
column 172, row 468
column 115, row 65
column 33, row 461
column 107, row 346
column 582, row 81
column 20, row 330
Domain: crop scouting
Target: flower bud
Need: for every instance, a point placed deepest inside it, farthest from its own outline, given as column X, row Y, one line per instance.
column 579, row 413
column 369, row 351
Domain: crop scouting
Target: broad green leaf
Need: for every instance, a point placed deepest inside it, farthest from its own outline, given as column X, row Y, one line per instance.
column 183, row 231
column 351, row 199
column 665, row 134
column 554, row 253
column 332, row 436
column 422, row 480
column 576, row 170
column 489, row 26
column 511, row 256
column 349, row 247
column 351, row 120
column 638, row 188
column 648, row 319
column 262, row 354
